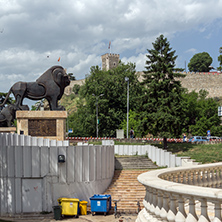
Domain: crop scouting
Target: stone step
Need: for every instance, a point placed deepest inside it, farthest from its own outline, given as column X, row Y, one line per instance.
column 132, row 162
column 126, row 188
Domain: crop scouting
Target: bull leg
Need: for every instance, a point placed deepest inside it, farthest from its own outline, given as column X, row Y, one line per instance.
column 53, row 104
column 18, row 90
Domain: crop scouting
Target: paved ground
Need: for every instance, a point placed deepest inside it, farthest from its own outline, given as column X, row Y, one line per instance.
column 82, row 218
column 101, row 218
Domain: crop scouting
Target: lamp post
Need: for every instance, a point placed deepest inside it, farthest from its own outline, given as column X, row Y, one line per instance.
column 127, row 131
column 68, row 122
column 97, row 128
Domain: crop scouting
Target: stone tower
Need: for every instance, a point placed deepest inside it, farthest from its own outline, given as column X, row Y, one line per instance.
column 109, row 61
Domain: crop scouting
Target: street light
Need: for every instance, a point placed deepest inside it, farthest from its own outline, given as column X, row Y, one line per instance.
column 127, row 80
column 97, row 129
column 68, row 122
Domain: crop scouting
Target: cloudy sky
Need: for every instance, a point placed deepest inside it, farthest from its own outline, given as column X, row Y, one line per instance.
column 34, row 34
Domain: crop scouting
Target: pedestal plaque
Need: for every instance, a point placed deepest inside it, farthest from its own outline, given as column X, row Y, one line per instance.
column 46, row 124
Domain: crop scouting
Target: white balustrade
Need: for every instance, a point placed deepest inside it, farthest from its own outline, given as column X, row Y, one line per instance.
column 183, row 194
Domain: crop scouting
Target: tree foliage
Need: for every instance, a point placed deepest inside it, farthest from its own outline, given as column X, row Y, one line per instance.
column 200, row 62
column 10, row 100
column 112, row 106
column 162, row 104
column 71, row 76
column 202, row 114
column 76, row 88
column 158, row 106
column 220, row 60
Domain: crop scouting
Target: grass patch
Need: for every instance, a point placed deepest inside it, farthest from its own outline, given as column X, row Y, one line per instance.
column 204, row 153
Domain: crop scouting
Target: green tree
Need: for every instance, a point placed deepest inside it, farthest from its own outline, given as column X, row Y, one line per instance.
column 200, row 62
column 10, row 100
column 71, row 76
column 220, row 60
column 112, row 106
column 162, row 103
column 134, row 122
column 205, row 116
column 76, row 88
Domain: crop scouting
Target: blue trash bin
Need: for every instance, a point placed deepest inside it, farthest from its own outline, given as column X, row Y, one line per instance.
column 100, row 203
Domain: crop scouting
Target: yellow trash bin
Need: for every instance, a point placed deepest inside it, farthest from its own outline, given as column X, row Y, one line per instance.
column 69, row 206
column 83, row 207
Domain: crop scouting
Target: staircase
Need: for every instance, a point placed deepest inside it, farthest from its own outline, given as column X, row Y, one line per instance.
column 133, row 162
column 125, row 186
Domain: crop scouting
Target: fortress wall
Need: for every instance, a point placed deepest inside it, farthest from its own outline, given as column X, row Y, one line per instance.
column 212, row 82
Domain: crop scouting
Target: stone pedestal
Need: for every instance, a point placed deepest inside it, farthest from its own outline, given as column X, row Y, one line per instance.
column 45, row 124
column 7, row 129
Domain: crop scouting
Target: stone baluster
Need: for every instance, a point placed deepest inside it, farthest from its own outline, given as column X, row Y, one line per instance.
column 173, row 210
column 184, row 178
column 195, row 174
column 154, row 205
column 192, row 216
column 217, row 210
column 149, row 199
column 165, row 208
column 204, row 179
column 147, row 205
column 146, row 198
column 180, row 177
column 150, row 207
column 159, row 204
column 217, row 178
column 199, row 178
column 147, row 214
column 181, row 214
column 204, row 214
column 189, row 177
column 174, row 177
column 212, row 181
column 209, row 177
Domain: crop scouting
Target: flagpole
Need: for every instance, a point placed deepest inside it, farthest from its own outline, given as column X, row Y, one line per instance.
column 109, row 47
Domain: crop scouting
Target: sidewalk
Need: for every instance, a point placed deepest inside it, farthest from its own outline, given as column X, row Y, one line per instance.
column 82, row 218
column 101, row 218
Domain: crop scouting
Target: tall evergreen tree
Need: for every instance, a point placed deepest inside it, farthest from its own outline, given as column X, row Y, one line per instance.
column 162, row 104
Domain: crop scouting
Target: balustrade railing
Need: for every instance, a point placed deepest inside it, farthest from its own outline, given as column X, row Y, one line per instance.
column 182, row 194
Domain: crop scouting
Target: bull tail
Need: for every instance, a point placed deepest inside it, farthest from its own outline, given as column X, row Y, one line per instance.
column 6, row 98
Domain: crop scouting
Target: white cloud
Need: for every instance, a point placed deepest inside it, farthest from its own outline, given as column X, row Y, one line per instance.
column 192, row 51
column 38, row 32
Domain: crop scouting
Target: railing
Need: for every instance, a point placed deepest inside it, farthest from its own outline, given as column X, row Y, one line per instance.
column 182, row 194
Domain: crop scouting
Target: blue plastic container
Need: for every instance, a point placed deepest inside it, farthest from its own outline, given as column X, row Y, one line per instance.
column 100, row 203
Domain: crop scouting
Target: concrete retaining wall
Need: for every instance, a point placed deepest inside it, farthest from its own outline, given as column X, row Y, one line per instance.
column 161, row 157
column 9, row 139
column 32, row 179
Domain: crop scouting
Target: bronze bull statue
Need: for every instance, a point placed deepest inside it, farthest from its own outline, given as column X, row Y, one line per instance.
column 50, row 85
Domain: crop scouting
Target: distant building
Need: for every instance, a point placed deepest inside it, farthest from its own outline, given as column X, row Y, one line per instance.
column 109, row 61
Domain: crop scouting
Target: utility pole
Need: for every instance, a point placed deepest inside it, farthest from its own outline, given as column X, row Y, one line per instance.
column 97, row 121
column 127, row 115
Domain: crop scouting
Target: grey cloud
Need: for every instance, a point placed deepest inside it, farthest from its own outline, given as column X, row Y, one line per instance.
column 38, row 32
